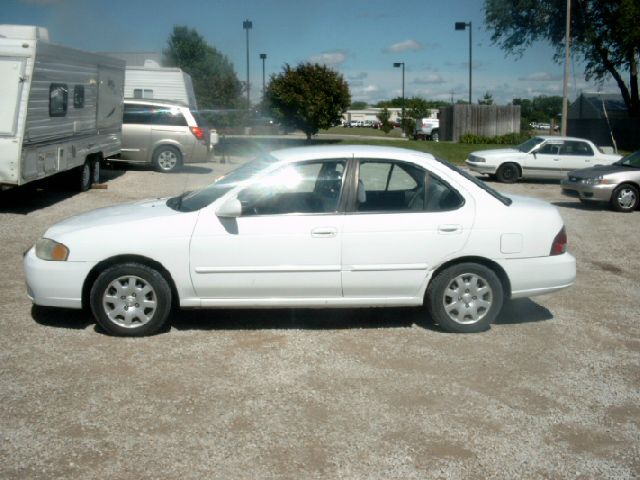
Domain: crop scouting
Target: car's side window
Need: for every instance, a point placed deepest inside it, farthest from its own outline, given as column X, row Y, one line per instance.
column 387, row 186
column 172, row 117
column 137, row 114
column 311, row 187
column 572, row 147
column 551, row 148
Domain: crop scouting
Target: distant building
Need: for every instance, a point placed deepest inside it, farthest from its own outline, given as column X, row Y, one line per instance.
column 603, row 118
column 371, row 115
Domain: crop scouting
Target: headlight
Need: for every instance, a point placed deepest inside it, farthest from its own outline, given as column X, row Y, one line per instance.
column 594, row 180
column 47, row 249
column 473, row 158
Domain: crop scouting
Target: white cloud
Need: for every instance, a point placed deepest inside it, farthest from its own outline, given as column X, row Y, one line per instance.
column 405, row 46
column 541, row 77
column 329, row 58
column 430, row 79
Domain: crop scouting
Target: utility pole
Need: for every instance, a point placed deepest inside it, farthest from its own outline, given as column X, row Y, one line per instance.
column 248, row 25
column 565, row 84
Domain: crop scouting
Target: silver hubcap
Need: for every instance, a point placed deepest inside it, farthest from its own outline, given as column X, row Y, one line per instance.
column 129, row 301
column 167, row 159
column 626, row 198
column 467, row 298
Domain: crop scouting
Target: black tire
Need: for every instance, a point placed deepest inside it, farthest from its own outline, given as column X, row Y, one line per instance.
column 83, row 176
column 435, row 136
column 131, row 300
column 625, row 198
column 508, row 173
column 167, row 159
column 465, row 298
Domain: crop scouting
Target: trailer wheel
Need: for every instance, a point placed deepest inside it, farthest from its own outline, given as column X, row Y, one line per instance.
column 167, row 159
column 95, row 171
column 84, row 176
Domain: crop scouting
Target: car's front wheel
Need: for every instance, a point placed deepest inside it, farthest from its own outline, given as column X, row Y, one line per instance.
column 465, row 298
column 508, row 173
column 167, row 159
column 625, row 198
column 131, row 299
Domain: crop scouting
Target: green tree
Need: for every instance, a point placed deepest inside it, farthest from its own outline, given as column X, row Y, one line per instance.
column 541, row 109
column 486, row 100
column 604, row 33
column 308, row 97
column 214, row 80
column 358, row 105
column 384, row 116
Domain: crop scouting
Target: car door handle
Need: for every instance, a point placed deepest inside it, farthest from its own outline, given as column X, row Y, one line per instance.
column 556, row 159
column 324, row 232
column 449, row 228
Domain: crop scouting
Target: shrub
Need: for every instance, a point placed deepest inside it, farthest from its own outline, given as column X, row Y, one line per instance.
column 508, row 139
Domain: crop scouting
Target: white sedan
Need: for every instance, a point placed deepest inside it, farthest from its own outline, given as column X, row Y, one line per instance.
column 338, row 226
column 539, row 157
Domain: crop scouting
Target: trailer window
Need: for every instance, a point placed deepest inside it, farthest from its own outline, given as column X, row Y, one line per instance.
column 58, row 98
column 78, row 96
column 142, row 93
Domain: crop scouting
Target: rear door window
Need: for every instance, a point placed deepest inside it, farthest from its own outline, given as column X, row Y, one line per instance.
column 168, row 116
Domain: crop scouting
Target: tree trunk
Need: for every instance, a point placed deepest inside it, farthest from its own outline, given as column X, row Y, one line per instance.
column 634, row 107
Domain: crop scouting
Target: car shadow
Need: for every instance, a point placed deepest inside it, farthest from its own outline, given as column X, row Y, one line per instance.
column 577, row 205
column 136, row 167
column 518, row 311
column 45, row 192
column 522, row 310
column 532, row 181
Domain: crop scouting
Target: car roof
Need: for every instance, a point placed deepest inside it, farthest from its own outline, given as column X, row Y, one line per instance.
column 156, row 102
column 557, row 137
column 347, row 151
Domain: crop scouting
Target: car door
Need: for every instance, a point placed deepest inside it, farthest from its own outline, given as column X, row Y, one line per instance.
column 576, row 154
column 136, row 132
column 403, row 222
column 286, row 244
column 546, row 161
column 170, row 126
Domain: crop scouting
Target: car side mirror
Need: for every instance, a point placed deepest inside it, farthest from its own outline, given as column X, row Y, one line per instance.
column 231, row 208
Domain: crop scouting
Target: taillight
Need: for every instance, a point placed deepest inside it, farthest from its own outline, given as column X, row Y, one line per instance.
column 197, row 132
column 559, row 245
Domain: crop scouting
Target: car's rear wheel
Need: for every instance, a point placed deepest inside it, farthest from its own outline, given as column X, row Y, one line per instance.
column 131, row 299
column 625, row 198
column 508, row 173
column 465, row 298
column 167, row 159
column 435, row 136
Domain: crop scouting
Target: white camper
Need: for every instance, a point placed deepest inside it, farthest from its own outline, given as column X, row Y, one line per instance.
column 159, row 83
column 60, row 108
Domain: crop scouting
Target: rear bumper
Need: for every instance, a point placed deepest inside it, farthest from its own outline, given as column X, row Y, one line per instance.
column 537, row 276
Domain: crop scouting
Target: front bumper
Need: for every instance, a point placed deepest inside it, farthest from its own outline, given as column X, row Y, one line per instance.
column 481, row 167
column 55, row 284
column 601, row 193
column 530, row 277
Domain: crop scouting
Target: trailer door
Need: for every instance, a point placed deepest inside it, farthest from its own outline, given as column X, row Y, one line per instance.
column 11, row 79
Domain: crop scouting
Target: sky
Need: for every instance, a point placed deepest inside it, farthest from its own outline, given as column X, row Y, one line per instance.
column 361, row 39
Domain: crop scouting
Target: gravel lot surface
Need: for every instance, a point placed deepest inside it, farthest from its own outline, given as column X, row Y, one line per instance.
column 551, row 391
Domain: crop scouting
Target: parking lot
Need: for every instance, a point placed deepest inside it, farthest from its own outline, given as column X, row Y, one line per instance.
column 552, row 390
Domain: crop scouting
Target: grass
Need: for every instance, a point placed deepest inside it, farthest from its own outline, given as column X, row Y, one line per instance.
column 248, row 146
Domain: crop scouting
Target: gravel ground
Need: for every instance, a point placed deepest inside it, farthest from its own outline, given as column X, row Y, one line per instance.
column 551, row 391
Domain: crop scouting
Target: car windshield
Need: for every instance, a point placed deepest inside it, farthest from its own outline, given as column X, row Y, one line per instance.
column 192, row 201
column 494, row 193
column 631, row 160
column 529, row 144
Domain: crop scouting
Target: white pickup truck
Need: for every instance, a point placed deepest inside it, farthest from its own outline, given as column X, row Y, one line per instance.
column 539, row 157
column 427, row 129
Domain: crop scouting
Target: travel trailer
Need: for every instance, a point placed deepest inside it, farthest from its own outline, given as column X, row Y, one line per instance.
column 60, row 108
column 159, row 83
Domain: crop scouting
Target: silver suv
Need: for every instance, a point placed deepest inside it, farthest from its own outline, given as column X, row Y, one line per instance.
column 163, row 133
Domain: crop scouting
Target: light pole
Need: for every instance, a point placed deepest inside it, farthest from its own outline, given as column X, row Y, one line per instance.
column 247, row 25
column 263, row 57
column 462, row 26
column 565, row 81
column 398, row 65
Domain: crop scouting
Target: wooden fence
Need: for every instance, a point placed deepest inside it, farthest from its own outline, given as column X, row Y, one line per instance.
column 485, row 120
